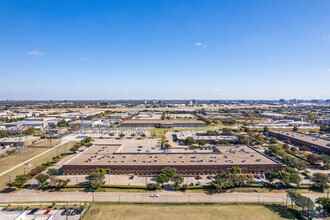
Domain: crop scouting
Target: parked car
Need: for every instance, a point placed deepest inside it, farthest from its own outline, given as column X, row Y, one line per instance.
column 47, row 212
column 79, row 211
column 198, row 177
column 64, row 212
column 198, row 184
column 33, row 211
column 73, row 212
column 154, row 195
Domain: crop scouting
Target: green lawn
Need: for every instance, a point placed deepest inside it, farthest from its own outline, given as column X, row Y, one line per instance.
column 191, row 212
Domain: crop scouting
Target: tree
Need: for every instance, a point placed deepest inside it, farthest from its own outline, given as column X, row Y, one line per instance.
column 20, row 180
column 266, row 129
column 287, row 141
column 295, row 178
column 321, row 182
column 177, row 179
column 270, row 176
column 286, row 147
column 167, row 146
column 304, row 148
column 295, row 129
column 227, row 132
column 96, row 178
column 236, row 170
column 112, row 134
column 293, row 149
column 132, row 135
column 143, row 135
column 52, row 172
column 284, row 176
column 63, row 123
column 30, row 131
column 201, row 143
column 324, row 202
column 42, row 179
column 273, row 141
column 299, row 200
column 161, row 179
column 190, row 140
column 122, row 135
column 312, row 158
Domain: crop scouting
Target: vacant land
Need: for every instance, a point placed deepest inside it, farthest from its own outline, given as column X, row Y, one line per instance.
column 175, row 212
column 12, row 160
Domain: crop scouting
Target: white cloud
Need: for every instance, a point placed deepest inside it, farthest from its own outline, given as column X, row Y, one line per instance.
column 126, row 89
column 292, row 85
column 200, row 44
column 36, row 53
column 216, row 90
column 328, row 69
column 156, row 90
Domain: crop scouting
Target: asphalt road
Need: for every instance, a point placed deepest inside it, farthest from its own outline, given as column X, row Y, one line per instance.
column 32, row 195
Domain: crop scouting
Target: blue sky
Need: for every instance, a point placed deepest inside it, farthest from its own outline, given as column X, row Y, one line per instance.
column 169, row 49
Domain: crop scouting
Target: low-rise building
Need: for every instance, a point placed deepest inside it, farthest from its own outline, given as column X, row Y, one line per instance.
column 18, row 141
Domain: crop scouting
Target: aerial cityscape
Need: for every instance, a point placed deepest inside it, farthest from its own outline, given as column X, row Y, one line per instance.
column 164, row 110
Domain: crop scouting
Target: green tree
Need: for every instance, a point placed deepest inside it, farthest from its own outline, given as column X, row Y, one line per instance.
column 270, row 175
column 295, row 129
column 190, row 140
column 52, row 171
column 324, row 202
column 96, row 178
column 30, row 131
column 321, row 182
column 295, row 178
column 122, row 135
column 202, row 143
column 284, row 176
column 272, row 141
column 63, row 123
column 42, row 179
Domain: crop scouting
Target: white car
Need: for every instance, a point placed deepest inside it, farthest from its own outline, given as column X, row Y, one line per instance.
column 154, row 195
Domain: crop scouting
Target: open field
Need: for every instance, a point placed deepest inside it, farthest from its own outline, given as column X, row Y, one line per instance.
column 175, row 212
column 9, row 161
column 46, row 143
column 12, row 160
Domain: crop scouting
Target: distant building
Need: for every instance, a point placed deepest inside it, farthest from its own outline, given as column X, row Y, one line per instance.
column 163, row 123
column 18, row 141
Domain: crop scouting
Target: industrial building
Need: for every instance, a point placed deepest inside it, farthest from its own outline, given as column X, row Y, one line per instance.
column 314, row 143
column 18, row 141
column 146, row 157
column 163, row 123
column 202, row 136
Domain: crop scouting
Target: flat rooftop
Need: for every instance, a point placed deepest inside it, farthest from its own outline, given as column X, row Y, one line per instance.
column 18, row 139
column 307, row 138
column 152, row 121
column 148, row 152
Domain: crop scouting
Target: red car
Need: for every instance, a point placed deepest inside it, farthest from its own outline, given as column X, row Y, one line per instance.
column 198, row 177
column 47, row 212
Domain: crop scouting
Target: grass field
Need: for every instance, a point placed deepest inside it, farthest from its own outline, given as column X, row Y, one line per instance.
column 12, row 160
column 191, row 212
